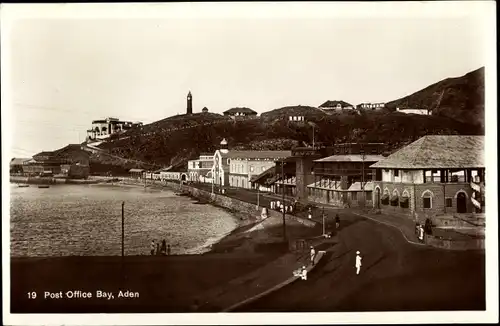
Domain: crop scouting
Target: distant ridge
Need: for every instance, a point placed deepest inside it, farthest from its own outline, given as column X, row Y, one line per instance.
column 462, row 98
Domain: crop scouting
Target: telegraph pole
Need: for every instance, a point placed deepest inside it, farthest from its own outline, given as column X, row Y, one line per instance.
column 283, row 196
column 123, row 229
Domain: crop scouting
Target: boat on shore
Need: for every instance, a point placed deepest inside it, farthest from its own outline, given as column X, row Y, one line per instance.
column 43, row 186
column 23, row 185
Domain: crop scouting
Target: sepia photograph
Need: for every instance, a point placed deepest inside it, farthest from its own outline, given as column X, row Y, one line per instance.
column 256, row 163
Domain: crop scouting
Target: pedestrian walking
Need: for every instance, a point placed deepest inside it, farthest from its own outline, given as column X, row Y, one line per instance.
column 272, row 204
column 278, row 204
column 163, row 249
column 313, row 255
column 337, row 221
column 153, row 246
column 417, row 228
column 358, row 262
column 291, row 209
column 286, row 208
column 168, row 250
column 158, row 249
column 309, row 213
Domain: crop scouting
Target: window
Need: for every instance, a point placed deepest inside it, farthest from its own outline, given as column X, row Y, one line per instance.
column 396, row 173
column 449, row 203
column 263, row 168
column 427, row 202
column 354, row 196
column 251, row 168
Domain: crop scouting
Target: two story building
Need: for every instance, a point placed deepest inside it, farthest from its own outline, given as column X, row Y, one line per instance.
column 432, row 176
column 244, row 165
column 343, row 179
column 199, row 169
column 104, row 128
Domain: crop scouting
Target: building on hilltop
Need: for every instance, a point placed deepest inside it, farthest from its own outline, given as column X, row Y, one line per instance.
column 243, row 112
column 435, row 175
column 370, row 106
column 102, row 129
column 332, row 106
column 414, row 111
column 204, row 110
column 189, row 109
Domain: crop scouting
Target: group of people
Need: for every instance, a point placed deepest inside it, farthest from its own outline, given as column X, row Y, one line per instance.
column 158, row 250
column 279, row 206
column 302, row 273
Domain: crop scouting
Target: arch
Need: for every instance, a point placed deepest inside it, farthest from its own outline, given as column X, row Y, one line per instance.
column 462, row 202
column 395, row 191
column 377, row 187
column 183, row 177
column 386, row 191
column 461, row 190
column 428, row 192
column 405, row 192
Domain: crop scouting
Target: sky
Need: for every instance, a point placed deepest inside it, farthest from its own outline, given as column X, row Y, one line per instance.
column 65, row 71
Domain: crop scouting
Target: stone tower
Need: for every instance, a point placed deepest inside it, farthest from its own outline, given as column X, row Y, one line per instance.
column 223, row 146
column 189, row 103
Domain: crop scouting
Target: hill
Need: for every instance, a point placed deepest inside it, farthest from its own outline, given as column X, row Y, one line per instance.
column 462, row 98
column 178, row 138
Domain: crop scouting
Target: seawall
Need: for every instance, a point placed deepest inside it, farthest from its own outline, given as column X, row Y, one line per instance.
column 235, row 204
column 50, row 180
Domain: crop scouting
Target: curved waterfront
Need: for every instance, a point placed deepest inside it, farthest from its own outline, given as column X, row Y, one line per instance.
column 85, row 220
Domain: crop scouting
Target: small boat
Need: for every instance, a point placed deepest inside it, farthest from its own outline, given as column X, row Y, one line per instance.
column 43, row 186
column 23, row 185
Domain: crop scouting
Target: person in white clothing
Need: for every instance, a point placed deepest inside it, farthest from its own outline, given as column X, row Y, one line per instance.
column 421, row 233
column 358, row 262
column 304, row 273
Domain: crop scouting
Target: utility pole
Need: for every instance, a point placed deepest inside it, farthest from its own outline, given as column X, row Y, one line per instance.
column 323, row 215
column 313, row 137
column 363, row 176
column 283, row 196
column 258, row 196
column 123, row 229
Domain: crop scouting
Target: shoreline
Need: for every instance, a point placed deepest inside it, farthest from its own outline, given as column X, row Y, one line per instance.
column 210, row 245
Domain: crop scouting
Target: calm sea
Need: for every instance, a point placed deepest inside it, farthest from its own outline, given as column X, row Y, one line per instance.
column 86, row 220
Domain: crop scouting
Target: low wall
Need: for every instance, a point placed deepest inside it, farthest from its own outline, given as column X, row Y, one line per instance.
column 450, row 220
column 235, row 204
column 472, row 244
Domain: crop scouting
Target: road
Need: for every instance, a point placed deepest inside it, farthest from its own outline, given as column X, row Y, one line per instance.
column 395, row 276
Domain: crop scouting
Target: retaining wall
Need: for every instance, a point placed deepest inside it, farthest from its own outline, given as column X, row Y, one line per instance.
column 236, row 204
column 472, row 244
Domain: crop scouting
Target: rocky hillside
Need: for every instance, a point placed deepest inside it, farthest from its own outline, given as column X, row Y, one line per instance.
column 179, row 138
column 462, row 98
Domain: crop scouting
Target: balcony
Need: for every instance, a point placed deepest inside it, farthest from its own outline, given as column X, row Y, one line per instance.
column 330, row 171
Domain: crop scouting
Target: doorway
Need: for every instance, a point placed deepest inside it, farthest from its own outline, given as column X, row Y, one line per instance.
column 377, row 198
column 461, row 203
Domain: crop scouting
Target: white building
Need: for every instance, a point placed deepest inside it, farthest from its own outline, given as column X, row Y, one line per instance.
column 415, row 111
